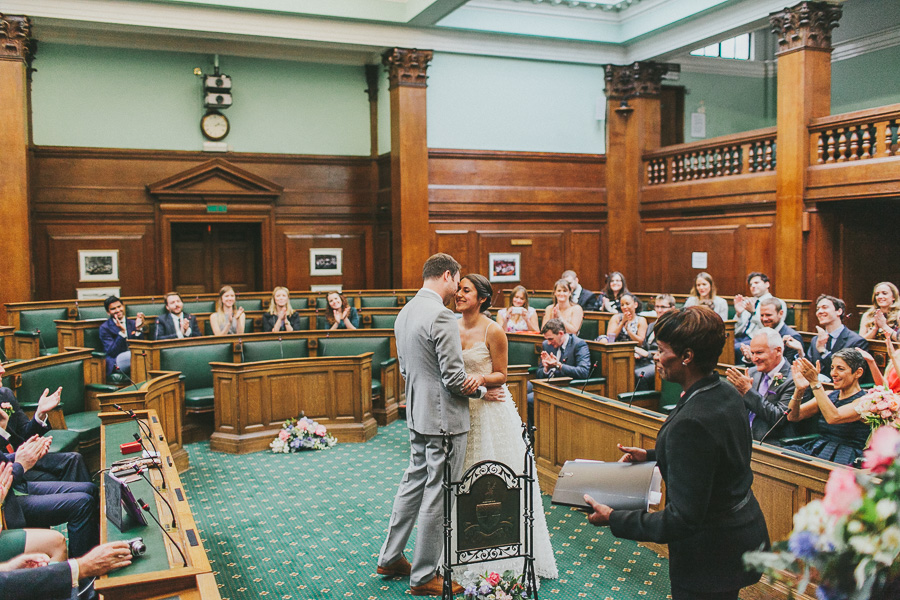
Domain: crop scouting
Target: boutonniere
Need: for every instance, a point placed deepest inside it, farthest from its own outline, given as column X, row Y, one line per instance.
column 777, row 380
column 6, row 407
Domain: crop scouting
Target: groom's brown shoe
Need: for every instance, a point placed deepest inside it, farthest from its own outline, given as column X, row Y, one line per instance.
column 399, row 567
column 435, row 587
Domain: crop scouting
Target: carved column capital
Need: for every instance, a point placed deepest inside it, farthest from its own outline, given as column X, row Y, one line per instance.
column 407, row 67
column 16, row 42
column 805, row 25
column 634, row 80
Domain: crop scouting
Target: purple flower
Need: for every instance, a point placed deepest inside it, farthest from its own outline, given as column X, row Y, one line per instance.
column 295, row 443
column 470, row 590
column 823, row 593
column 485, row 589
column 803, row 544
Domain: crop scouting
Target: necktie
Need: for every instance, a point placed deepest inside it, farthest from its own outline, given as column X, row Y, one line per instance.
column 830, row 344
column 178, row 331
column 763, row 390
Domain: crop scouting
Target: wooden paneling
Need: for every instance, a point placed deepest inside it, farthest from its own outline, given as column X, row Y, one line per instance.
column 294, row 243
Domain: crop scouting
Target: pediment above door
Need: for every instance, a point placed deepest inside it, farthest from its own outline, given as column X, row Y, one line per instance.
column 214, row 180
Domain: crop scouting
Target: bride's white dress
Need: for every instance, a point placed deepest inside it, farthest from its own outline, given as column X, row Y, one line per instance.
column 496, row 434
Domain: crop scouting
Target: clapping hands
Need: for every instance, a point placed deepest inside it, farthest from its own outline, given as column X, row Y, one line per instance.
column 31, row 451
column 47, row 403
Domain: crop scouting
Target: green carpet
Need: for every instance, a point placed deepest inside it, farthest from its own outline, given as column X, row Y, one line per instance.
column 310, row 525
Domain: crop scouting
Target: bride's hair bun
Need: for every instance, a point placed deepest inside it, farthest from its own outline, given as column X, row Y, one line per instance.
column 484, row 289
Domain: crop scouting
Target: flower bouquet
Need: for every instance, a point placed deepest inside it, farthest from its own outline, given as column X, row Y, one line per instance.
column 7, row 408
column 493, row 586
column 302, row 433
column 852, row 536
column 880, row 406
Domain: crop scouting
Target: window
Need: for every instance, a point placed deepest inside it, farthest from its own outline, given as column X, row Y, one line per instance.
column 737, row 48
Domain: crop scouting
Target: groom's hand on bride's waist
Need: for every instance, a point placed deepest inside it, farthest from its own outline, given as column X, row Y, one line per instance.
column 494, row 394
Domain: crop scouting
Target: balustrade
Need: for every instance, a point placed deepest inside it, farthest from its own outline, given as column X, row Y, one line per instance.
column 750, row 152
column 855, row 136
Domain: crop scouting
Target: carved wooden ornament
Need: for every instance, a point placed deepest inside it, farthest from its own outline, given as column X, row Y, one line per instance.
column 805, row 25
column 634, row 80
column 16, row 42
column 407, row 67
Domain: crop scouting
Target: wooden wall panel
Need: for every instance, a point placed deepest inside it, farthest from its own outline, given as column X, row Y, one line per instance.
column 294, row 244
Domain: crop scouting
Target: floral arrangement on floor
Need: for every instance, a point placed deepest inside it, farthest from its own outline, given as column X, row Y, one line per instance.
column 852, row 536
column 494, row 586
column 300, row 434
column 880, row 406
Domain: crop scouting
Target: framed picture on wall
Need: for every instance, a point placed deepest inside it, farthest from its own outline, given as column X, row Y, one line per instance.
column 325, row 261
column 98, row 265
column 505, row 266
column 97, row 293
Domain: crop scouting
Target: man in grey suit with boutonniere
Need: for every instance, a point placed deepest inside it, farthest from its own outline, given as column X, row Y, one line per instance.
column 437, row 391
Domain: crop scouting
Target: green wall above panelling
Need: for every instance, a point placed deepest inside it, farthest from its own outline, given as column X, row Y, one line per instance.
column 118, row 98
column 733, row 104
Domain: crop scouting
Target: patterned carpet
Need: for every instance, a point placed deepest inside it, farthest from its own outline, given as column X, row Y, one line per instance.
column 310, row 525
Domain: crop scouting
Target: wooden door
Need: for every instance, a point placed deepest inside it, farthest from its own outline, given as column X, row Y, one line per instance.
column 206, row 256
column 671, row 107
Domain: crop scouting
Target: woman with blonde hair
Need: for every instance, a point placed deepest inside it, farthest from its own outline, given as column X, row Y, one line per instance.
column 563, row 309
column 519, row 316
column 883, row 317
column 227, row 320
column 280, row 316
column 704, row 294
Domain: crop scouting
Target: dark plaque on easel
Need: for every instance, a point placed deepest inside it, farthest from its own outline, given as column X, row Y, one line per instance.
column 118, row 496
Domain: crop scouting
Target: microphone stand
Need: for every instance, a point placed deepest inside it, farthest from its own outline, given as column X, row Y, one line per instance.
column 591, row 372
column 140, row 471
column 131, row 414
column 634, row 391
column 146, row 508
column 780, row 419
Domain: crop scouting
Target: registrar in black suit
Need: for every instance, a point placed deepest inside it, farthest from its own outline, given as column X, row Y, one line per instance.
column 711, row 516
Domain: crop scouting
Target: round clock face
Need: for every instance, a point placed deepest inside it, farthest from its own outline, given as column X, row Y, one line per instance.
column 214, row 126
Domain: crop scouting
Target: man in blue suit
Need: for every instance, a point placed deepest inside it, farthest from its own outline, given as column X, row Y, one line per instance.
column 115, row 333
column 174, row 322
column 831, row 336
column 563, row 354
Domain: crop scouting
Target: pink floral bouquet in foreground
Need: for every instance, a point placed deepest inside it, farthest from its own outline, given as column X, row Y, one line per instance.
column 493, row 586
column 852, row 536
column 880, row 406
column 302, row 434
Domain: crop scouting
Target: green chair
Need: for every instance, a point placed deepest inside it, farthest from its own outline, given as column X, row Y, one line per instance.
column 524, row 353
column 597, row 381
column 40, row 325
column 590, row 329
column 539, row 302
column 86, row 313
column 274, row 350
column 149, row 309
column 296, row 304
column 193, row 362
column 255, row 304
column 378, row 301
column 383, row 321
column 385, row 369
column 200, row 307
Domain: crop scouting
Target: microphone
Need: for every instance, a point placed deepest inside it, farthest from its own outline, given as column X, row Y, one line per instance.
column 146, row 508
column 591, row 372
column 146, row 429
column 634, row 391
column 131, row 414
column 77, row 313
column 41, row 345
column 116, row 369
column 780, row 419
column 241, row 344
column 139, row 469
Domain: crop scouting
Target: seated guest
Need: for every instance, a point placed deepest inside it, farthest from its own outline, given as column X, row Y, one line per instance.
column 563, row 354
column 582, row 297
column 831, row 334
column 280, row 317
column 30, row 577
column 340, row 314
column 227, row 320
column 611, row 296
column 767, row 388
column 174, row 322
column 843, row 435
column 771, row 314
column 14, row 542
column 570, row 314
column 644, row 367
column 50, row 503
column 626, row 326
column 886, row 303
column 115, row 333
column 746, row 310
column 519, row 316
column 704, row 294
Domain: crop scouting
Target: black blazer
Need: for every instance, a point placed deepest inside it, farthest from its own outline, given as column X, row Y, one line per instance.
column 711, row 516
column 53, row 582
column 269, row 320
column 771, row 408
column 587, row 300
column 20, row 427
column 576, row 359
column 165, row 326
column 846, row 339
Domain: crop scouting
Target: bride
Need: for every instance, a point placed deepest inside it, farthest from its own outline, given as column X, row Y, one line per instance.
column 496, row 428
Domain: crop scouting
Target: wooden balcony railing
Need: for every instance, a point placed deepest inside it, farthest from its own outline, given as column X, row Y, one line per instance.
column 853, row 136
column 748, row 152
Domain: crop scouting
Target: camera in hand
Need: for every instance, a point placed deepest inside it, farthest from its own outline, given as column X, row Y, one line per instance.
column 137, row 547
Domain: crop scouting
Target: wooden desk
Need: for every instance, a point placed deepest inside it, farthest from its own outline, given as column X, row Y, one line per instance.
column 160, row 573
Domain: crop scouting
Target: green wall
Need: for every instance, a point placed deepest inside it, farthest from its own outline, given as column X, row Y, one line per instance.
column 733, row 104
column 119, row 98
column 865, row 81
column 482, row 103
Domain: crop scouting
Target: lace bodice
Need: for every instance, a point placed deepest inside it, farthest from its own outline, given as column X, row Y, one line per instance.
column 477, row 359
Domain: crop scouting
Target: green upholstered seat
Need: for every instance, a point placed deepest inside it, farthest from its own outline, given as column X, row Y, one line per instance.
column 193, row 362
column 539, row 302
column 380, row 347
column 730, row 311
column 64, row 440
column 296, row 303
column 378, row 301
column 92, row 339
column 251, row 304
column 789, row 316
column 86, row 425
column 321, row 302
column 597, row 377
column 670, row 393
column 32, row 321
column 92, row 312
column 383, row 321
column 248, row 326
column 590, row 329
column 149, row 309
column 523, row 353
column 202, row 306
column 275, row 350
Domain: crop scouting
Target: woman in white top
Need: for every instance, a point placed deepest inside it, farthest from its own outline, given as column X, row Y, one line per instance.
column 226, row 320
column 519, row 316
column 626, row 326
column 704, row 294
column 563, row 309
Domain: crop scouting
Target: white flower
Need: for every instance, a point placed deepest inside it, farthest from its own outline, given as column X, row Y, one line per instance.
column 863, row 544
column 854, row 527
column 889, row 545
column 885, row 508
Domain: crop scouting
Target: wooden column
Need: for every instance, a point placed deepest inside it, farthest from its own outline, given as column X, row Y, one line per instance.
column 804, row 92
column 632, row 128
column 409, row 164
column 16, row 53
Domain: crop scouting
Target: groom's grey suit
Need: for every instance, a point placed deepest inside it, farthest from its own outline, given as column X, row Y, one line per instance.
column 430, row 354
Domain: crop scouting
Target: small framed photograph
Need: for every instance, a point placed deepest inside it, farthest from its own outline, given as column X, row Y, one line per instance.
column 99, row 293
column 325, row 261
column 327, row 287
column 98, row 265
column 505, row 266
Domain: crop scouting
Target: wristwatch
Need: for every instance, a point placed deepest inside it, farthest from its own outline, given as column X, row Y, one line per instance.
column 815, row 386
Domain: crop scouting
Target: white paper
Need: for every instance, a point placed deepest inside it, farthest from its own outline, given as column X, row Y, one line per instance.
column 698, row 260
column 698, row 125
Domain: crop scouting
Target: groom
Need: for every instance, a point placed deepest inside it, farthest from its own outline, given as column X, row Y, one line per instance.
column 430, row 354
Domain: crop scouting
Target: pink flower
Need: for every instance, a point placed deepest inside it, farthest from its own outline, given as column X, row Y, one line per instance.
column 302, row 426
column 493, row 578
column 321, row 431
column 283, row 435
column 842, row 495
column 886, row 413
column 882, row 405
column 883, row 449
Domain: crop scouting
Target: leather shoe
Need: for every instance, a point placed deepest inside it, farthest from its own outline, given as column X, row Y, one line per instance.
column 399, row 567
column 435, row 587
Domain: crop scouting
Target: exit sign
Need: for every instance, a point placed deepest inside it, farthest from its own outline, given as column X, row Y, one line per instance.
column 217, row 208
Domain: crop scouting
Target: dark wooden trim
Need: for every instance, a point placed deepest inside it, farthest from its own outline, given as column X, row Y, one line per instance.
column 193, row 155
